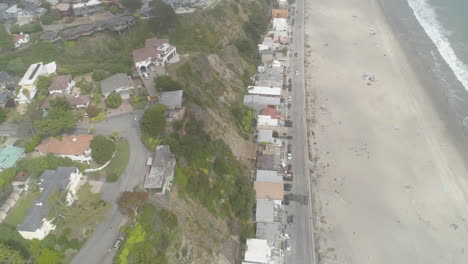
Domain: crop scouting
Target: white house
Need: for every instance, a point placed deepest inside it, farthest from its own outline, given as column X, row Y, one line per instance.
column 20, row 39
column 74, row 147
column 258, row 251
column 266, row 120
column 28, row 82
column 36, row 225
column 156, row 51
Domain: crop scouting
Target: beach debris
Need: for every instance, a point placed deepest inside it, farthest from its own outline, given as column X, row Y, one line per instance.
column 396, row 127
column 454, row 226
column 372, row 32
column 368, row 77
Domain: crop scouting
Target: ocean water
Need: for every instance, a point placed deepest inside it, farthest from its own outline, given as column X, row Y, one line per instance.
column 434, row 33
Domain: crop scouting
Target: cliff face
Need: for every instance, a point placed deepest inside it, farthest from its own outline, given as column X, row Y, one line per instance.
column 217, row 66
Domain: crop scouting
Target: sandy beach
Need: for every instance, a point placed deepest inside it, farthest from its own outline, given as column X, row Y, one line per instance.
column 389, row 183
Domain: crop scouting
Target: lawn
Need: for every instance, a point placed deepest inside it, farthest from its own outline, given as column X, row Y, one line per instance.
column 119, row 162
column 17, row 215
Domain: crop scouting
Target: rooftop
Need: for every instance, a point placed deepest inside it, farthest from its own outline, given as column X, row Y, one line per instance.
column 22, row 176
column 60, row 82
column 279, row 13
column 270, row 111
column 172, row 99
column 268, row 176
column 269, row 190
column 9, row 155
column 264, row 90
column 266, row 120
column 89, row 3
column 142, row 54
column 265, row 136
column 116, row 81
column 258, row 102
column 257, row 251
column 268, row 231
column 48, row 182
column 265, row 210
column 71, row 99
column 17, row 37
column 161, row 169
column 266, row 162
column 69, row 145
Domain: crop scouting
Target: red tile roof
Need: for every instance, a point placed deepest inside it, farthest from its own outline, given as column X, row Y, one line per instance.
column 17, row 37
column 270, row 111
column 69, row 145
column 22, row 176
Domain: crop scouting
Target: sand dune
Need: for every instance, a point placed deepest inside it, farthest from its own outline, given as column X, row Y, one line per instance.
column 390, row 185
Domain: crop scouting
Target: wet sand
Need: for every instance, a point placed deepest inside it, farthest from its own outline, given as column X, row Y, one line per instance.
column 390, row 185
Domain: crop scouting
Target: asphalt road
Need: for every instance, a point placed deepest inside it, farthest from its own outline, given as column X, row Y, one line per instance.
column 301, row 230
column 98, row 248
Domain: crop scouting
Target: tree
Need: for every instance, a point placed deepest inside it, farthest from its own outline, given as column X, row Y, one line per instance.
column 60, row 103
column 93, row 111
column 165, row 83
column 163, row 17
column 6, row 42
column 131, row 202
column 10, row 256
column 113, row 100
column 102, row 149
column 153, row 122
column 2, row 115
column 43, row 83
column 48, row 256
column 99, row 75
column 17, row 66
column 132, row 5
column 57, row 122
column 50, row 16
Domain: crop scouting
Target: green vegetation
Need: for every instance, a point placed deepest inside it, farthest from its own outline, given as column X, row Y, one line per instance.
column 130, row 203
column 166, row 83
column 93, row 111
column 153, row 124
column 100, row 74
column 155, row 235
column 113, row 100
column 139, row 101
column 102, row 149
column 43, row 83
column 59, row 120
column 2, row 115
column 119, row 163
column 132, row 5
column 164, row 17
column 82, row 215
column 244, row 117
column 9, row 255
column 6, row 42
column 27, row 28
column 50, row 17
column 212, row 175
column 16, row 216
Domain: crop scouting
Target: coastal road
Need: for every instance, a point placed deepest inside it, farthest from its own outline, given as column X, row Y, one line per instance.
column 301, row 230
column 98, row 248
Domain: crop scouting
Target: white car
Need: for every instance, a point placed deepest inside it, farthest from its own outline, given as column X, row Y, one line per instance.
column 297, row 72
column 146, row 76
column 289, row 156
column 289, row 98
column 118, row 242
column 288, row 245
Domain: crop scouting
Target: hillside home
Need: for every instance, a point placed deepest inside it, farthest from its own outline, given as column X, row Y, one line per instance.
column 120, row 83
column 89, row 8
column 156, row 51
column 61, row 84
column 9, row 155
column 74, row 147
column 36, row 225
column 8, row 81
column 20, row 39
column 28, row 82
column 159, row 179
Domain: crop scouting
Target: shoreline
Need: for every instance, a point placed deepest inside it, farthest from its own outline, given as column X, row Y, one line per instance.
column 389, row 178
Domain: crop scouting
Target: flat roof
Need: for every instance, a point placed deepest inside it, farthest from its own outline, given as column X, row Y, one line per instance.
column 265, row 210
column 268, row 176
column 269, row 190
column 264, row 90
column 161, row 169
column 258, row 251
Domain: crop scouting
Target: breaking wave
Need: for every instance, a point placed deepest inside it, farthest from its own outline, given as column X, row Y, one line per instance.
column 427, row 17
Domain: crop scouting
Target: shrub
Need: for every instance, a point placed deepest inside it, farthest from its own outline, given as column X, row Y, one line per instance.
column 153, row 122
column 113, row 100
column 102, row 149
column 165, row 83
column 93, row 111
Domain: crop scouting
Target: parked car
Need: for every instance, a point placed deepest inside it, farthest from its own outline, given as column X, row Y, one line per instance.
column 288, row 123
column 295, row 54
column 287, row 187
column 289, row 137
column 118, row 242
column 289, row 156
column 289, row 148
column 285, row 202
column 290, row 219
column 297, row 72
column 289, row 98
column 146, row 76
column 288, row 245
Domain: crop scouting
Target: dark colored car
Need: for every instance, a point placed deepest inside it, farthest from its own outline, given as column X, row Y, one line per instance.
column 287, row 187
column 285, row 202
column 289, row 148
column 289, row 137
column 290, row 219
column 288, row 123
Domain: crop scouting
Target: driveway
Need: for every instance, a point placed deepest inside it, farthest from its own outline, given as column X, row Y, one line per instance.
column 98, row 248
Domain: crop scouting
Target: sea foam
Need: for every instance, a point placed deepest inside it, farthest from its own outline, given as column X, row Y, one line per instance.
column 427, row 17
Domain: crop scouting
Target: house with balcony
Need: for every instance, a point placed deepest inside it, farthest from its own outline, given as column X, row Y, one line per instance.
column 28, row 82
column 61, row 84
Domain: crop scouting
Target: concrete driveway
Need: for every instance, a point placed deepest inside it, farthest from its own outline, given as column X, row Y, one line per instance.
column 98, row 248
